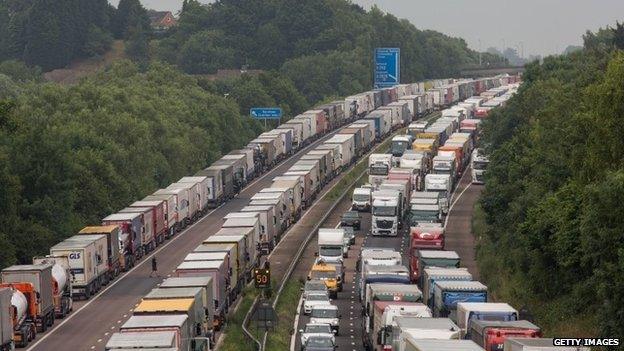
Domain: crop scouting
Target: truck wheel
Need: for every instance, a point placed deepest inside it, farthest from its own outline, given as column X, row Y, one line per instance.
column 44, row 325
column 87, row 292
column 51, row 319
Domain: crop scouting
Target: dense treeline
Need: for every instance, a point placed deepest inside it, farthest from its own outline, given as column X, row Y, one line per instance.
column 71, row 155
column 52, row 33
column 554, row 195
column 324, row 46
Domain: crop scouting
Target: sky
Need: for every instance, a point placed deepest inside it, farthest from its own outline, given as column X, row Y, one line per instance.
column 533, row 27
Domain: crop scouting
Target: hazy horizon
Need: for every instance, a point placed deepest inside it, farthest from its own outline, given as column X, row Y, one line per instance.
column 551, row 30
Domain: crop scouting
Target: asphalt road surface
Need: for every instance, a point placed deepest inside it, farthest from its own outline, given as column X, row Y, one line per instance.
column 459, row 238
column 93, row 321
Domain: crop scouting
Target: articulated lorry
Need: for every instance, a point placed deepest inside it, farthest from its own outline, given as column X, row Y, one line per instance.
column 379, row 335
column 442, row 184
column 378, row 167
column 447, row 293
column 385, row 213
column 61, row 283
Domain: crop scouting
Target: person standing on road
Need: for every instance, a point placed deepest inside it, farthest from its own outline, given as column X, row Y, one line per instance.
column 154, row 267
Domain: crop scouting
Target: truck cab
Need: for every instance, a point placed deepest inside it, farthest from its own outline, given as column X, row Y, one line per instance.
column 420, row 213
column 385, row 218
column 478, row 163
column 427, row 236
column 330, row 244
column 378, row 167
column 361, row 200
column 442, row 184
column 445, row 164
column 399, row 144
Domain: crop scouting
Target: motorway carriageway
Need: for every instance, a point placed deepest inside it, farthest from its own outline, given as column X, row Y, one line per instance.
column 92, row 322
column 458, row 238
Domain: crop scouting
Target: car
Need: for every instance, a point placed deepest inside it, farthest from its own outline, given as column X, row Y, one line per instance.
column 328, row 314
column 315, row 299
column 351, row 219
column 349, row 231
column 314, row 286
column 312, row 329
column 320, row 343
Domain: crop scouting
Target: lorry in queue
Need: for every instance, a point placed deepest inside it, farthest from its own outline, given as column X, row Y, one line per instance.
column 112, row 246
column 61, row 283
column 447, row 293
column 417, row 164
column 205, row 284
column 386, row 274
column 537, row 344
column 446, row 165
column 478, row 164
column 419, row 344
column 88, row 262
column 423, row 214
column 330, row 244
column 443, row 185
column 378, row 167
column 404, row 187
column 417, row 127
column 164, row 308
column 159, row 217
column 172, row 222
column 420, row 259
column 35, row 285
column 428, row 198
column 217, row 270
column 156, row 333
column 148, row 233
column 467, row 312
column 269, row 230
column 420, row 328
column 399, row 145
column 7, row 319
column 379, row 336
column 426, row 236
column 377, row 256
column 491, row 334
column 182, row 204
column 385, row 213
column 433, row 274
column 329, row 275
column 472, row 126
column 130, row 240
column 361, row 199
column 204, row 314
column 389, row 292
column 251, row 246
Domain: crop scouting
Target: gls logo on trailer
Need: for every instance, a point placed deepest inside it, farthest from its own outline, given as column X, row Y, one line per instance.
column 74, row 256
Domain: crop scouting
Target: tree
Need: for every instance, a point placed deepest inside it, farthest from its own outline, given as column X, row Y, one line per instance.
column 130, row 16
column 97, row 41
column 137, row 46
column 204, row 53
column 618, row 35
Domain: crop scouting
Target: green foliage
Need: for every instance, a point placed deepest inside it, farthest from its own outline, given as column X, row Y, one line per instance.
column 98, row 41
column 205, row 52
column 554, row 191
column 19, row 72
column 131, row 17
column 71, row 155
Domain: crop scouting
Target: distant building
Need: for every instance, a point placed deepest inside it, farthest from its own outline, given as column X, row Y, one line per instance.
column 161, row 20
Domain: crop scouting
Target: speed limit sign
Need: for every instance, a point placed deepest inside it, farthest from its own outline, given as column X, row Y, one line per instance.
column 262, row 278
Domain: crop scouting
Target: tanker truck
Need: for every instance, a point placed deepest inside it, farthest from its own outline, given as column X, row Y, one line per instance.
column 61, row 283
column 20, row 319
column 6, row 320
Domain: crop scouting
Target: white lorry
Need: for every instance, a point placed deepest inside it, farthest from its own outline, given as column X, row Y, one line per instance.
column 385, row 218
column 330, row 244
column 378, row 167
column 478, row 163
column 442, row 184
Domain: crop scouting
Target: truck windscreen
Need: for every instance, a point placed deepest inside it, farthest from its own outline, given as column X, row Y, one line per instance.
column 480, row 165
column 378, row 169
column 384, row 211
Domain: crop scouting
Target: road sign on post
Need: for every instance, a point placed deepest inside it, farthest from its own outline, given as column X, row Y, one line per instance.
column 262, row 278
column 387, row 67
column 266, row 113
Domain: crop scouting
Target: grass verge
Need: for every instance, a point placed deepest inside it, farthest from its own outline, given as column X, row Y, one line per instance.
column 234, row 338
column 286, row 309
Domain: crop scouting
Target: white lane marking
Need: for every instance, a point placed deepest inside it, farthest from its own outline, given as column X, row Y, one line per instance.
column 99, row 340
column 448, row 215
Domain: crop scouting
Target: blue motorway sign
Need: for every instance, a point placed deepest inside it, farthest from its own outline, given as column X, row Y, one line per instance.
column 266, row 113
column 387, row 67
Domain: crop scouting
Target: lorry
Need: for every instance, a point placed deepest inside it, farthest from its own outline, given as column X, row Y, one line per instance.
column 361, row 199
column 182, row 204
column 377, row 256
column 166, row 340
column 404, row 187
column 269, row 231
column 159, row 216
column 221, row 181
column 112, row 246
column 427, row 236
column 6, row 320
column 386, row 274
column 407, row 329
column 398, row 145
column 204, row 313
column 205, row 283
column 248, row 225
column 416, row 344
column 248, row 158
column 442, row 184
column 148, row 234
column 378, row 167
column 389, row 292
column 218, row 271
column 478, row 164
column 328, row 274
column 131, row 239
column 378, row 334
column 538, row 344
column 237, row 276
column 330, row 243
column 35, row 283
column 61, row 283
column 491, row 334
column 447, row 293
column 446, row 165
column 206, row 188
column 172, row 222
column 467, row 312
column 420, row 259
column 385, row 213
column 194, row 202
column 418, row 166
column 433, row 274
column 88, row 262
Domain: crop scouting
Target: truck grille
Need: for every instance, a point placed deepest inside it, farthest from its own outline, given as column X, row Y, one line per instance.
column 384, row 224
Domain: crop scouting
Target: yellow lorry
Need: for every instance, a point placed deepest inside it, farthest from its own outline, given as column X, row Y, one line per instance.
column 328, row 274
